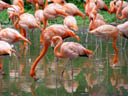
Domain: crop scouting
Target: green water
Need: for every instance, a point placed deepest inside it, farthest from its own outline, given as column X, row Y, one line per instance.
column 92, row 77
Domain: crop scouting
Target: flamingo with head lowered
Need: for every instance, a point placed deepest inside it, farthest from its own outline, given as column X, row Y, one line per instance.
column 49, row 32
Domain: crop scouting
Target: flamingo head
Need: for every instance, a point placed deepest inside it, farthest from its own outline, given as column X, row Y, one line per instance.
column 92, row 15
column 87, row 53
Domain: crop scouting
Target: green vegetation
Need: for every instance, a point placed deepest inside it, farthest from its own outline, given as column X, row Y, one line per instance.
column 109, row 18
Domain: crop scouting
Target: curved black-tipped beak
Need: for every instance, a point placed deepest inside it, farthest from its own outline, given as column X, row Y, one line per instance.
column 85, row 55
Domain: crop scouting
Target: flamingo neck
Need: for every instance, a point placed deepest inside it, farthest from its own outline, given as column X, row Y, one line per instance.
column 0, row 63
column 46, row 3
column 56, row 52
column 38, row 58
column 118, row 10
column 37, row 7
column 17, row 21
column 92, row 23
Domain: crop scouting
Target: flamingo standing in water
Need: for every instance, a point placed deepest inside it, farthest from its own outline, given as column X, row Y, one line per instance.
column 26, row 21
column 11, row 36
column 124, row 12
column 49, row 32
column 70, row 50
column 5, row 49
column 96, row 20
column 108, row 31
column 50, row 12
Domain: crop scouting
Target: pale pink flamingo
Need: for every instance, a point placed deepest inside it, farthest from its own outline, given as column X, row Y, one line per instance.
column 70, row 50
column 5, row 49
column 50, row 12
column 71, row 23
column 108, row 31
column 4, row 5
column 124, row 12
column 26, row 21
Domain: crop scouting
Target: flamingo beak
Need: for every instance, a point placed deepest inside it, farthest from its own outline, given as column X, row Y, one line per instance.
column 74, row 28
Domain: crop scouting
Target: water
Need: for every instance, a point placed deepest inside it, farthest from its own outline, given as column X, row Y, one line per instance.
column 92, row 77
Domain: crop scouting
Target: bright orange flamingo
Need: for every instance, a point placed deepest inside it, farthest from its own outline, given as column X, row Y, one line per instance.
column 49, row 32
column 124, row 12
column 5, row 49
column 50, row 12
column 4, row 5
column 26, row 21
column 71, row 23
column 70, row 50
column 108, row 31
column 97, row 20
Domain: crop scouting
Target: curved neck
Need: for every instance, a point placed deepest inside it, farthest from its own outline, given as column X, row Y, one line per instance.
column 92, row 23
column 117, row 13
column 15, row 24
column 56, row 52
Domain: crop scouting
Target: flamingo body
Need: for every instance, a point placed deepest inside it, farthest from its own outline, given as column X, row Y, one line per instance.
column 51, row 11
column 71, row 23
column 5, row 49
column 70, row 50
column 39, row 15
column 28, row 21
column 123, row 29
column 11, row 35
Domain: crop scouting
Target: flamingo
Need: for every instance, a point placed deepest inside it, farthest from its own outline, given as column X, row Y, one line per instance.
column 11, row 36
column 114, row 5
column 39, row 14
column 4, row 5
column 124, row 12
column 71, row 23
column 49, row 32
column 50, row 12
column 123, row 29
column 97, row 20
column 19, row 3
column 72, row 9
column 108, row 31
column 70, row 50
column 26, row 21
column 5, row 49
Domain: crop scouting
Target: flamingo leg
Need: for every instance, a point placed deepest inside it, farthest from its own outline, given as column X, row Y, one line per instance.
column 1, row 67
column 115, row 60
column 72, row 75
column 32, row 72
column 0, row 64
column 44, row 26
column 25, row 35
